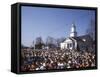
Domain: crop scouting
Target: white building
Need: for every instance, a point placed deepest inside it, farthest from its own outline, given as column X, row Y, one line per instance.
column 74, row 41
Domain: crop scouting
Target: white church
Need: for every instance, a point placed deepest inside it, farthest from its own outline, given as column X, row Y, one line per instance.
column 74, row 41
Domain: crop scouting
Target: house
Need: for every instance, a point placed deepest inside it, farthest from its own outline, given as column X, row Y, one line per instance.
column 77, row 42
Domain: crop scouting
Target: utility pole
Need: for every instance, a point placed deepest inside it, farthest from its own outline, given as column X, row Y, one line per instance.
column 34, row 45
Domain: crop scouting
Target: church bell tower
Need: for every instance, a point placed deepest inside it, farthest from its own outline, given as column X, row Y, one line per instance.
column 73, row 31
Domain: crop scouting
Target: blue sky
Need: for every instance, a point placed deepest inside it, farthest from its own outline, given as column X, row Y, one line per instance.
column 54, row 22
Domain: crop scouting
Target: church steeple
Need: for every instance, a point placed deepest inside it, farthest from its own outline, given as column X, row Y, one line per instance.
column 73, row 31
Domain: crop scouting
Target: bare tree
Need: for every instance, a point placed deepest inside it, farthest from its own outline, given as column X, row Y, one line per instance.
column 60, row 40
column 50, row 41
column 91, row 29
column 39, row 43
column 39, row 40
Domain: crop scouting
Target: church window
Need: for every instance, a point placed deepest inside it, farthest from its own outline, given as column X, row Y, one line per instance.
column 70, row 45
column 67, row 45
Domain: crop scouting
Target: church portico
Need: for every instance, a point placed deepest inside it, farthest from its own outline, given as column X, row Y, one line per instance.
column 70, row 43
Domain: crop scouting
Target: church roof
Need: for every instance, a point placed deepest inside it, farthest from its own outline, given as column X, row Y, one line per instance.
column 82, row 38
